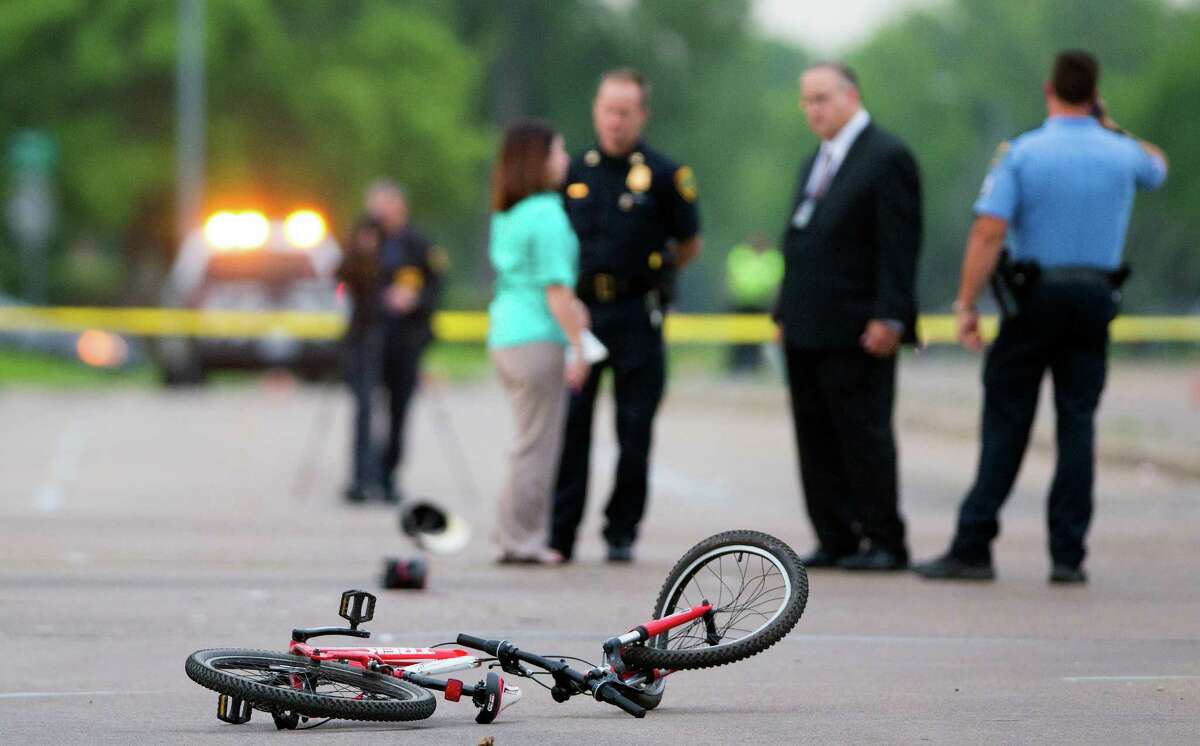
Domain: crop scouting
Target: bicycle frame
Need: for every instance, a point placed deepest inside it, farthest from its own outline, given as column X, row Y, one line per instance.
column 641, row 633
column 421, row 666
column 417, row 665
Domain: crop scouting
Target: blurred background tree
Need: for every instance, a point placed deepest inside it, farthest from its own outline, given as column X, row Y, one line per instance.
column 310, row 99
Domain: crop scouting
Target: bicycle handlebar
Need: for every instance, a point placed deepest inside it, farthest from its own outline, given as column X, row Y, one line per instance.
column 607, row 692
column 491, row 647
column 604, row 691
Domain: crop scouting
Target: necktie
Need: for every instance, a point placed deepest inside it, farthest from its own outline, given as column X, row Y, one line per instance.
column 822, row 174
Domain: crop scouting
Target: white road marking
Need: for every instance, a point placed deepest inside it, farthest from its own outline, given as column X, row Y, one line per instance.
column 1096, row 679
column 97, row 693
column 64, row 470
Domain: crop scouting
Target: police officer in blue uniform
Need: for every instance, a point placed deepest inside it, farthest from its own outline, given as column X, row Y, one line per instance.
column 634, row 211
column 1062, row 196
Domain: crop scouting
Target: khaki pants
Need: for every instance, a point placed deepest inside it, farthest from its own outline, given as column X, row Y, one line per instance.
column 532, row 375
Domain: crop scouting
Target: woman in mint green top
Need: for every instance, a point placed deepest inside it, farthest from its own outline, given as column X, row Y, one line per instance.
column 532, row 247
column 535, row 326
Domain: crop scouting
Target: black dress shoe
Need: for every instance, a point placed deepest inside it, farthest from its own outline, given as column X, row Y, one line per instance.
column 821, row 558
column 949, row 567
column 875, row 559
column 620, row 553
column 1067, row 574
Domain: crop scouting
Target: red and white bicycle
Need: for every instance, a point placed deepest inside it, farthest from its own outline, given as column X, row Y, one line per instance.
column 729, row 597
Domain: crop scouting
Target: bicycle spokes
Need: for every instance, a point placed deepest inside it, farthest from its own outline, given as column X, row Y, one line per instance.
column 746, row 587
column 300, row 677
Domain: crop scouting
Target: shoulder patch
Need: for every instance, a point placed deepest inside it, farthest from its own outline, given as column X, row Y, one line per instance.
column 685, row 183
column 1001, row 150
column 578, row 190
column 439, row 259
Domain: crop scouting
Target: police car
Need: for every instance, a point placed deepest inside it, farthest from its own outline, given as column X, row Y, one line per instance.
column 245, row 261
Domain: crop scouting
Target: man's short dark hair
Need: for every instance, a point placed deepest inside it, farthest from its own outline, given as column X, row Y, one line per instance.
column 630, row 75
column 841, row 69
column 1075, row 76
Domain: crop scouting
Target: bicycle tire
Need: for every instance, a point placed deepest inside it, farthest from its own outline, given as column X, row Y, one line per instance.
column 399, row 700
column 656, row 654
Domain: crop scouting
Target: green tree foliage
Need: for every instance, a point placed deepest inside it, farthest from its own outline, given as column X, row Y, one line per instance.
column 310, row 99
column 1162, row 106
column 307, row 101
column 957, row 81
column 724, row 97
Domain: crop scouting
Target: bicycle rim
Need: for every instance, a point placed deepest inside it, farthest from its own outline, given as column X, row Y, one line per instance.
column 748, row 587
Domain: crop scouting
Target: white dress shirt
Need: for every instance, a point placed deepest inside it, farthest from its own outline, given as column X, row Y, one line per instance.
column 833, row 152
column 829, row 159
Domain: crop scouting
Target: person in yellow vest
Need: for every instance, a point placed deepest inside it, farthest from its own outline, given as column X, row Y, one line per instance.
column 753, row 271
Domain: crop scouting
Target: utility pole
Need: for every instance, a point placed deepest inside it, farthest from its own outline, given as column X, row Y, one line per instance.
column 189, row 107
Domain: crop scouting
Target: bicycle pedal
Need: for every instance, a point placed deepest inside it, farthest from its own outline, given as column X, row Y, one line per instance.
column 233, row 710
column 286, row 720
column 357, row 607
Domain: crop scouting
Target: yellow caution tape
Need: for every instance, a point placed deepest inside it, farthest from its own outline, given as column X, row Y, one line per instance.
column 471, row 326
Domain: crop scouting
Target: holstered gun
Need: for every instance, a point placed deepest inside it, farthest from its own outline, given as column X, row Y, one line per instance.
column 1013, row 283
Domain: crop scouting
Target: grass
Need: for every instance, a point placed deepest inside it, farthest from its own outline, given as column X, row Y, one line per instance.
column 18, row 367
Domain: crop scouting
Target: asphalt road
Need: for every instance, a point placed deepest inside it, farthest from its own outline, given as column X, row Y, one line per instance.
column 137, row 526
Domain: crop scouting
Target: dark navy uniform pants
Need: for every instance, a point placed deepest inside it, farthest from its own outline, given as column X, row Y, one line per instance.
column 401, row 371
column 363, row 370
column 1063, row 328
column 637, row 360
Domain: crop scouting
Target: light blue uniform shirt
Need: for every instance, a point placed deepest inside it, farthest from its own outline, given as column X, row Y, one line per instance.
column 1066, row 191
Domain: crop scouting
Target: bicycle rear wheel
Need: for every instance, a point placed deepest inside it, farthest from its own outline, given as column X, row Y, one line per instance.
column 758, row 589
column 281, row 681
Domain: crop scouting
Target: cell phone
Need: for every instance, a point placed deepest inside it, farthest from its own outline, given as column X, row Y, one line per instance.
column 1098, row 109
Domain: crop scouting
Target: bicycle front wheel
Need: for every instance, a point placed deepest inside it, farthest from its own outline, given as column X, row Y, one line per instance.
column 758, row 589
column 284, row 682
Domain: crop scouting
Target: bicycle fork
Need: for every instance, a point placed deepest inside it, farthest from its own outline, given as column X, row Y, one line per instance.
column 643, row 632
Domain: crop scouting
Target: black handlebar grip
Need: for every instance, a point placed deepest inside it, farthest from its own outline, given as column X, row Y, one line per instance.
column 471, row 641
column 608, row 693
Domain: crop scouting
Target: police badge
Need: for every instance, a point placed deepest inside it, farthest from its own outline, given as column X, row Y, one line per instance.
column 639, row 179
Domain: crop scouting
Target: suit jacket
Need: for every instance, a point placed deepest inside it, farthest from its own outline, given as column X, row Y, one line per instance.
column 857, row 258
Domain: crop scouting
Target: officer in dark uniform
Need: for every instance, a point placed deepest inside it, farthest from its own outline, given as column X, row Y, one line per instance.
column 1062, row 195
column 634, row 211
column 411, row 270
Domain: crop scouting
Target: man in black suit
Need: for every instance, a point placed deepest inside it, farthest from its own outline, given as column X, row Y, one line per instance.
column 846, row 305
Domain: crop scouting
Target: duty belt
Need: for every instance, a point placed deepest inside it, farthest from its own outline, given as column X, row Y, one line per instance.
column 1090, row 275
column 604, row 287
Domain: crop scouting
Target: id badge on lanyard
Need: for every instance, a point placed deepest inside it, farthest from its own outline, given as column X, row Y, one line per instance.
column 804, row 213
